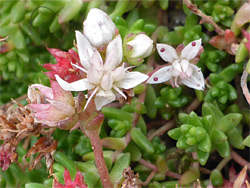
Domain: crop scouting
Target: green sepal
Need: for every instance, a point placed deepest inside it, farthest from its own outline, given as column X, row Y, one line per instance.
column 216, row 178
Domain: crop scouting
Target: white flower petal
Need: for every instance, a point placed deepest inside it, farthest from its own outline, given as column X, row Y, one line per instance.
column 103, row 97
column 96, row 61
column 177, row 66
column 167, row 52
column 113, row 53
column 191, row 50
column 162, row 75
column 106, row 82
column 85, row 50
column 131, row 80
column 196, row 80
column 80, row 85
column 118, row 74
column 184, row 65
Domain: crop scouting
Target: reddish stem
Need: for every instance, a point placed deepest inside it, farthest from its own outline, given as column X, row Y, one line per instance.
column 99, row 159
column 235, row 156
column 169, row 125
column 154, row 168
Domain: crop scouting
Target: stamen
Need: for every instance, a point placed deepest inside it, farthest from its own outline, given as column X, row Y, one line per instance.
column 91, row 96
column 119, row 91
column 82, row 69
column 193, row 43
column 162, row 50
column 156, row 79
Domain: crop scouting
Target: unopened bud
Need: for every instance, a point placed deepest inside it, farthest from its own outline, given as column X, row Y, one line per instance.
column 137, row 47
column 99, row 28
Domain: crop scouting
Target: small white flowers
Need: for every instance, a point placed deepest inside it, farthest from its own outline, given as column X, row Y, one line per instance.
column 109, row 77
column 103, row 78
column 180, row 70
column 98, row 28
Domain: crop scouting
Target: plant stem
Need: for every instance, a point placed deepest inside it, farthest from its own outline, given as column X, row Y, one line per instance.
column 243, row 84
column 149, row 178
column 221, row 165
column 154, row 168
column 204, row 17
column 170, row 124
column 235, row 156
column 99, row 159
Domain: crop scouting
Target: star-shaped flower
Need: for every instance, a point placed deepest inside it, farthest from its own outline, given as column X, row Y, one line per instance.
column 104, row 79
column 181, row 69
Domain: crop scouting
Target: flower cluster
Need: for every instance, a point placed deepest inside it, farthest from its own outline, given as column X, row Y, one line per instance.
column 105, row 77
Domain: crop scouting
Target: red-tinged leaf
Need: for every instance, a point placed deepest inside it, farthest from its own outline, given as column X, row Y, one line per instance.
column 218, row 42
column 229, row 36
column 64, row 68
column 77, row 183
column 61, row 95
column 247, row 36
column 6, row 47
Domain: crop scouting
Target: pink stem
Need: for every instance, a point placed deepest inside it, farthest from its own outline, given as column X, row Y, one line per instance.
column 154, row 168
column 235, row 156
column 99, row 159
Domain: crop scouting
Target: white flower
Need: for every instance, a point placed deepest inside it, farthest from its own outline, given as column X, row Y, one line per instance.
column 103, row 78
column 142, row 46
column 180, row 70
column 98, row 28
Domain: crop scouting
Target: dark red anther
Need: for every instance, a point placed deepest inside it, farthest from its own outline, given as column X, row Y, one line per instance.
column 155, row 79
column 162, row 50
column 193, row 43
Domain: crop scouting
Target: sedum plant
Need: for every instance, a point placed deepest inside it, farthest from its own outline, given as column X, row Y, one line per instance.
column 124, row 93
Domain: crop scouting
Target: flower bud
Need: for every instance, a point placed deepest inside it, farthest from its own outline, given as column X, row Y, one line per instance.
column 98, row 28
column 52, row 106
column 137, row 47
